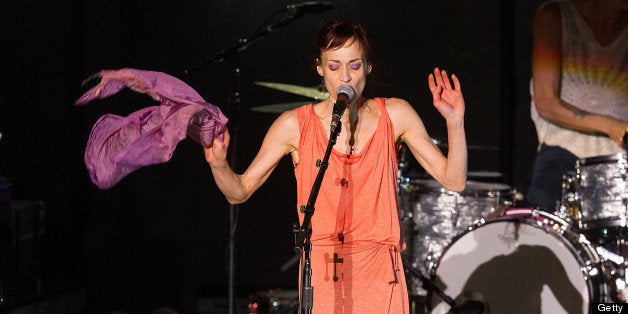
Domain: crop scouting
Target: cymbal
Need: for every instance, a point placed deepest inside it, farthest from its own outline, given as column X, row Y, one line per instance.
column 484, row 174
column 311, row 92
column 442, row 144
column 278, row 108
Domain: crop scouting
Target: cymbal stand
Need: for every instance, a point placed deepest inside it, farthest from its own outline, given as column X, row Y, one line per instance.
column 303, row 233
column 235, row 101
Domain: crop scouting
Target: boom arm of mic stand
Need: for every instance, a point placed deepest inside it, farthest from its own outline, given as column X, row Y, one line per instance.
column 242, row 44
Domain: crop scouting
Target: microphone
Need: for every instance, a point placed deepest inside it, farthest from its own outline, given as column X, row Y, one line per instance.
column 310, row 7
column 344, row 96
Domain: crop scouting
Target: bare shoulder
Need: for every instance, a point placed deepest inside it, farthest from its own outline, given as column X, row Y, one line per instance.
column 285, row 130
column 288, row 118
column 403, row 116
column 396, row 105
column 398, row 108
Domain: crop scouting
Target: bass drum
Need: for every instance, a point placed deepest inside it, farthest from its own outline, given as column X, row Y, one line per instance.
column 526, row 261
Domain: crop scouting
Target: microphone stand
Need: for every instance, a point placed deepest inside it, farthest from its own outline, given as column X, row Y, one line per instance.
column 231, row 53
column 304, row 232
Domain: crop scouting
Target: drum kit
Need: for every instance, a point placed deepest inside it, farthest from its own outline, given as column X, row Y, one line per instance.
column 476, row 245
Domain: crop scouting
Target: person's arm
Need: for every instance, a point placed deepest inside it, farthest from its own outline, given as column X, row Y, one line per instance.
column 450, row 171
column 546, row 80
column 281, row 139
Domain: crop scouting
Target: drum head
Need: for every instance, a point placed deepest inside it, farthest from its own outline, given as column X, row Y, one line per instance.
column 514, row 266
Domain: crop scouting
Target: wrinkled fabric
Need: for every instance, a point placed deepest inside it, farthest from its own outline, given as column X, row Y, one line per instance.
column 120, row 145
column 593, row 79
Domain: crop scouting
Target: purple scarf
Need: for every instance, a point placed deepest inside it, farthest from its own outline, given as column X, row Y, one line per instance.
column 120, row 145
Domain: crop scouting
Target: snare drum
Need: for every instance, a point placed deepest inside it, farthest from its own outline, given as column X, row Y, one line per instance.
column 603, row 190
column 526, row 261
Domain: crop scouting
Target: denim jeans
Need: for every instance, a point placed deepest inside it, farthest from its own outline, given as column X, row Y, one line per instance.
column 551, row 163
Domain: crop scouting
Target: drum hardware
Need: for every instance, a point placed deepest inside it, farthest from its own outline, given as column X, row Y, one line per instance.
column 615, row 274
column 568, row 208
column 613, row 249
column 498, row 212
column 610, row 256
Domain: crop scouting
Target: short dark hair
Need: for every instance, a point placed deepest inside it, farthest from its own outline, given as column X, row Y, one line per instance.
column 335, row 34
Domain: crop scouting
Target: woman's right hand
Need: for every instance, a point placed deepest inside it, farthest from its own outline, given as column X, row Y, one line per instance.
column 617, row 130
column 217, row 153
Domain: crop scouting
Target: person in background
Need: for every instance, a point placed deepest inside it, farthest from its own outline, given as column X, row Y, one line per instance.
column 579, row 89
column 356, row 238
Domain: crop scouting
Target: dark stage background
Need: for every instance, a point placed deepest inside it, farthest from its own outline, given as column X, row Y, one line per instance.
column 159, row 238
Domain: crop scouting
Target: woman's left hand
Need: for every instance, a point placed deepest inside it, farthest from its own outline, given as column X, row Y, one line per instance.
column 447, row 100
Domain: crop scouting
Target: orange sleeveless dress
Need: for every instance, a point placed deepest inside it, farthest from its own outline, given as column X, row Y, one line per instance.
column 356, row 261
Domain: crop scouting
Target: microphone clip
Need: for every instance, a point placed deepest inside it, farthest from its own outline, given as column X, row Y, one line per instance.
column 339, row 109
